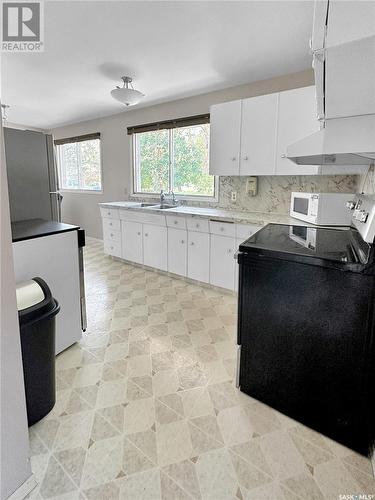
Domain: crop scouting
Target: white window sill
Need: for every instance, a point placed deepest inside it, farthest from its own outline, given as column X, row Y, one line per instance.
column 156, row 196
column 81, row 191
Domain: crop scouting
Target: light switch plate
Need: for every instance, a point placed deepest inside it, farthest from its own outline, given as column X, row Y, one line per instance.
column 252, row 186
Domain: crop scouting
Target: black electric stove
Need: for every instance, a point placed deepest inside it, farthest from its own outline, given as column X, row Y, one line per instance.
column 306, row 328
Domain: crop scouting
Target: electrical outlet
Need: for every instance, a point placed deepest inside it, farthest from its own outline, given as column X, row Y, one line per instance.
column 233, row 196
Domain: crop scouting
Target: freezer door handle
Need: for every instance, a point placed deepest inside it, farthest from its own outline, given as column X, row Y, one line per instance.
column 238, row 366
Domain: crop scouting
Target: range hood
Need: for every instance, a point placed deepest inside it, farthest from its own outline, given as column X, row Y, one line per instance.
column 343, row 141
column 345, row 94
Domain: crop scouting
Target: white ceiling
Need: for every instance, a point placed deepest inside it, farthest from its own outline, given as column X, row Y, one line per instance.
column 171, row 49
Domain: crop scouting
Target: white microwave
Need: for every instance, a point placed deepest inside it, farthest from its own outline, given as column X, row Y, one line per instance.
column 322, row 209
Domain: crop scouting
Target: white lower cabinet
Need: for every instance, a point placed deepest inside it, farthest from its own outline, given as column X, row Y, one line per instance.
column 222, row 263
column 177, row 251
column 199, row 256
column 155, row 247
column 132, row 241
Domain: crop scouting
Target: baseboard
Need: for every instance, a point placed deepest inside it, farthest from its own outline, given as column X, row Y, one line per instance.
column 25, row 489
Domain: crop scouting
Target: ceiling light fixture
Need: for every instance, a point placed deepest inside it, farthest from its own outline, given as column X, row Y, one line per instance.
column 127, row 94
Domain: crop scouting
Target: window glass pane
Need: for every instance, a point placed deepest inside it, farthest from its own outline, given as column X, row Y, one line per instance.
column 191, row 161
column 79, row 165
column 69, row 166
column 90, row 164
column 152, row 161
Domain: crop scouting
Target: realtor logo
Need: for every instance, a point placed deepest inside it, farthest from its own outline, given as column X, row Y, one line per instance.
column 22, row 26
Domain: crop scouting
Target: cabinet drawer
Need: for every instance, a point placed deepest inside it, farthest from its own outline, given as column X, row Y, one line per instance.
column 112, row 224
column 109, row 213
column 177, row 222
column 197, row 224
column 244, row 231
column 111, row 235
column 145, row 217
column 222, row 228
column 112, row 248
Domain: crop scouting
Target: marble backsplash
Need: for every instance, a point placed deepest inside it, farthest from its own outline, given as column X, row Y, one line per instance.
column 274, row 191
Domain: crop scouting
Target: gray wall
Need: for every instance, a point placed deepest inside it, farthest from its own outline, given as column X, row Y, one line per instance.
column 82, row 209
column 14, row 439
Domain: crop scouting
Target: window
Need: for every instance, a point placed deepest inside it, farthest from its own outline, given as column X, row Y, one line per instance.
column 173, row 156
column 79, row 163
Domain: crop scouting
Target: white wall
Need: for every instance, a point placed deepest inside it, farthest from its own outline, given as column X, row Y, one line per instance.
column 82, row 209
column 14, row 465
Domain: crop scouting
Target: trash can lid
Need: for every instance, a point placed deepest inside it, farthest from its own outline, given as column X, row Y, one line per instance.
column 29, row 293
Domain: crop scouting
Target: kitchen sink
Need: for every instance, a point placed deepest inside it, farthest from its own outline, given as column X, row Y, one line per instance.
column 163, row 206
column 146, row 204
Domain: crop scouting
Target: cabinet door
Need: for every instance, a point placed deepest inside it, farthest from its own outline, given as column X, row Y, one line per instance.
column 297, row 119
column 177, row 251
column 258, row 135
column 225, row 123
column 222, row 263
column 199, row 256
column 132, row 248
column 155, row 246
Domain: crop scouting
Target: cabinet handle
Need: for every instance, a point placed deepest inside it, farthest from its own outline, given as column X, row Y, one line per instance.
column 283, row 155
column 111, row 248
column 111, row 224
column 139, row 234
column 111, row 235
column 108, row 213
column 229, row 250
column 221, row 229
column 233, row 158
column 196, row 225
column 176, row 221
column 146, row 234
column 182, row 241
column 192, row 243
column 245, row 157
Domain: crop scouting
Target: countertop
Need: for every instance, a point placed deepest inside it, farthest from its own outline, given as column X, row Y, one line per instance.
column 36, row 228
column 211, row 213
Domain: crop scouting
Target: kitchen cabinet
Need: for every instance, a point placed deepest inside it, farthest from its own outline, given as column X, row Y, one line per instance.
column 177, row 251
column 199, row 256
column 132, row 244
column 155, row 246
column 222, row 263
column 349, row 21
column 225, row 126
column 296, row 120
column 258, row 135
column 258, row 130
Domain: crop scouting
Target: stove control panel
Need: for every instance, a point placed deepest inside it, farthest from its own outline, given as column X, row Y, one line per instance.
column 363, row 215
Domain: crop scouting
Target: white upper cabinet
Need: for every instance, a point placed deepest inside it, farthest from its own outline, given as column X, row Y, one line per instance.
column 225, row 121
column 155, row 246
column 258, row 135
column 296, row 120
column 258, row 130
column 349, row 21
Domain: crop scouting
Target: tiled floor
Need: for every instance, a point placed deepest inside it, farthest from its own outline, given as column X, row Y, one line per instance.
column 146, row 406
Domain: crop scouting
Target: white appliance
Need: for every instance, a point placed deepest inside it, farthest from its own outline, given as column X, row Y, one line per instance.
column 322, row 209
column 343, row 53
column 362, row 211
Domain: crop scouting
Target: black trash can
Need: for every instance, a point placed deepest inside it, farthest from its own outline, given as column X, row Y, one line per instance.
column 36, row 312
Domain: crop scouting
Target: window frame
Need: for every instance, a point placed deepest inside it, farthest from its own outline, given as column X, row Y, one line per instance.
column 134, row 173
column 59, row 169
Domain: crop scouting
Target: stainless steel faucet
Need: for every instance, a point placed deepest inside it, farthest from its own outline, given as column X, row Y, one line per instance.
column 174, row 201
column 162, row 197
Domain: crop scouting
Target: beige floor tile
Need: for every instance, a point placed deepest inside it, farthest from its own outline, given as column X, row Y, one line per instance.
column 103, row 462
column 139, row 415
column 111, row 393
column 165, row 382
column 216, row 475
column 173, row 443
column 142, row 486
column 234, row 425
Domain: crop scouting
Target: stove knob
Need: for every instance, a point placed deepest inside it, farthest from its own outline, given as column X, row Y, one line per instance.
column 350, row 205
